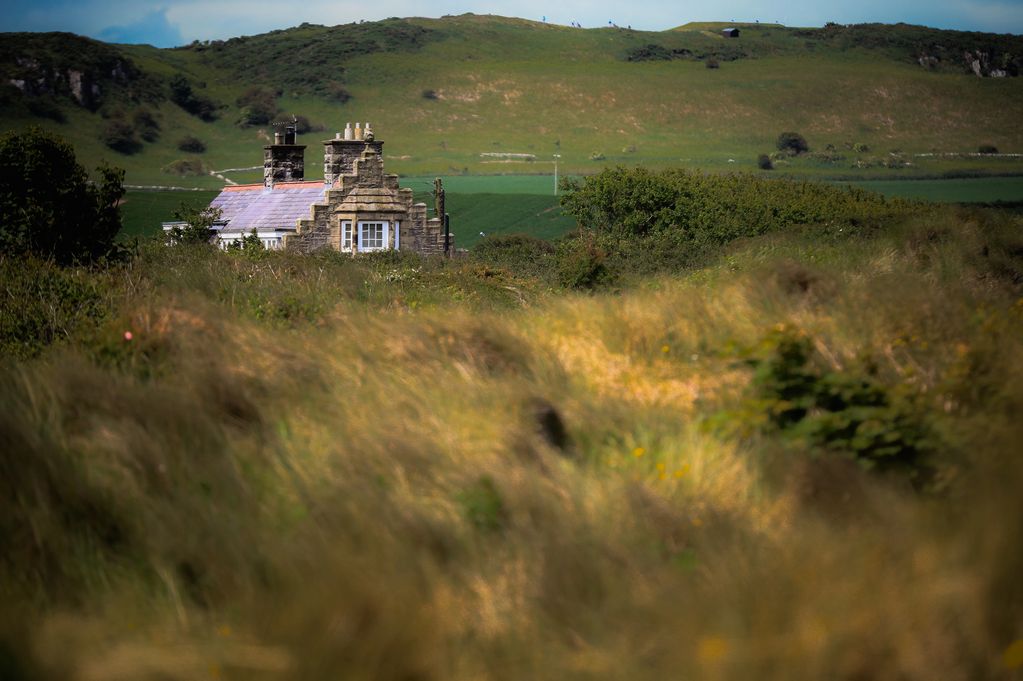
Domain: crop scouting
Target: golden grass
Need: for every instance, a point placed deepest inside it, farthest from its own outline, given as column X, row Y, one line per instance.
column 374, row 496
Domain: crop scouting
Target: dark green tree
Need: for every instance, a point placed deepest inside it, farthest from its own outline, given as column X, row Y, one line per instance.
column 48, row 206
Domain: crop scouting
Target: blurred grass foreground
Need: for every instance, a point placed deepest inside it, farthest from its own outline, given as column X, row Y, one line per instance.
column 785, row 453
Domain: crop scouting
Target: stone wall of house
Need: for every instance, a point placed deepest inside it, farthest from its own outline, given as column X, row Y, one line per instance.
column 359, row 163
column 339, row 156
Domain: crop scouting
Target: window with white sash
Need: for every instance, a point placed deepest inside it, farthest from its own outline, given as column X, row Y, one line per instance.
column 346, row 235
column 372, row 236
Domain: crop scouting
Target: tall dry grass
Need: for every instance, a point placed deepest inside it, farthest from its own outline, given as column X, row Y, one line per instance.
column 425, row 475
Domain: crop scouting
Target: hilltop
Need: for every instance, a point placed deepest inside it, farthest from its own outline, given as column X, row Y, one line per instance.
column 444, row 92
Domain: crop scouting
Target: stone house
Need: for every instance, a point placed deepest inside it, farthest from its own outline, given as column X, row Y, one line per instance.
column 356, row 208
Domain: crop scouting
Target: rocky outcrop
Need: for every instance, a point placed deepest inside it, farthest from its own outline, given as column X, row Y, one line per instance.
column 63, row 65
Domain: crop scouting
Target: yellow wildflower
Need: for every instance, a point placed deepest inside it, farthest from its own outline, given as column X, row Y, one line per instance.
column 711, row 649
column 638, row 452
column 1013, row 655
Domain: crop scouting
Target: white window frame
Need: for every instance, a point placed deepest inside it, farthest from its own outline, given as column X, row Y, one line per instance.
column 346, row 235
column 383, row 224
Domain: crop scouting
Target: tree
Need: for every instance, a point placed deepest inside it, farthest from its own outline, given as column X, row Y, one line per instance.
column 48, row 206
column 198, row 227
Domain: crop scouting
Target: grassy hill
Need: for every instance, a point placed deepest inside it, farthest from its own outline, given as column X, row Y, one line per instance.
column 443, row 92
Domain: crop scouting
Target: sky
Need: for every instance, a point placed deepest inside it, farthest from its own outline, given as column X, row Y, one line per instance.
column 167, row 23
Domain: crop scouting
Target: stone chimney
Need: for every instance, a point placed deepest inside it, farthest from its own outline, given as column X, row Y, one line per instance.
column 284, row 160
column 339, row 154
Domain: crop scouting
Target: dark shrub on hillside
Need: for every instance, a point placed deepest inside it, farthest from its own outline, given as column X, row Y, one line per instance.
column 987, row 149
column 191, row 144
column 336, row 92
column 48, row 206
column 430, row 94
column 184, row 96
column 303, row 125
column 258, row 106
column 792, row 142
column 764, row 162
column 46, row 107
column 649, row 52
column 712, row 63
column 146, row 125
column 119, row 135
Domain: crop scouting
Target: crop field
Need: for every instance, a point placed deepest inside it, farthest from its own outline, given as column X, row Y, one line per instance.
column 963, row 190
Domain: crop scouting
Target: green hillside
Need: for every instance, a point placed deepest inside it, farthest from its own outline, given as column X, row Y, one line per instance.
column 472, row 94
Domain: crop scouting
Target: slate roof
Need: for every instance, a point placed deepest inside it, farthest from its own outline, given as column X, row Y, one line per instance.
column 248, row 207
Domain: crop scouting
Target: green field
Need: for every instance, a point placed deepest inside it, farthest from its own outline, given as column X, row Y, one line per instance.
column 143, row 211
column 966, row 190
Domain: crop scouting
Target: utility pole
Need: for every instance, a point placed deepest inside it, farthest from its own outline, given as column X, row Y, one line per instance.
column 556, row 157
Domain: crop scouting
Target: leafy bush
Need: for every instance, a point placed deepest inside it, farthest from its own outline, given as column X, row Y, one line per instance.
column 792, row 143
column 689, row 207
column 258, row 106
column 519, row 253
column 712, row 63
column 146, row 125
column 581, row 264
column 48, row 206
column 119, row 135
column 430, row 94
column 764, row 162
column 849, row 412
column 987, row 149
column 42, row 303
column 191, row 144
